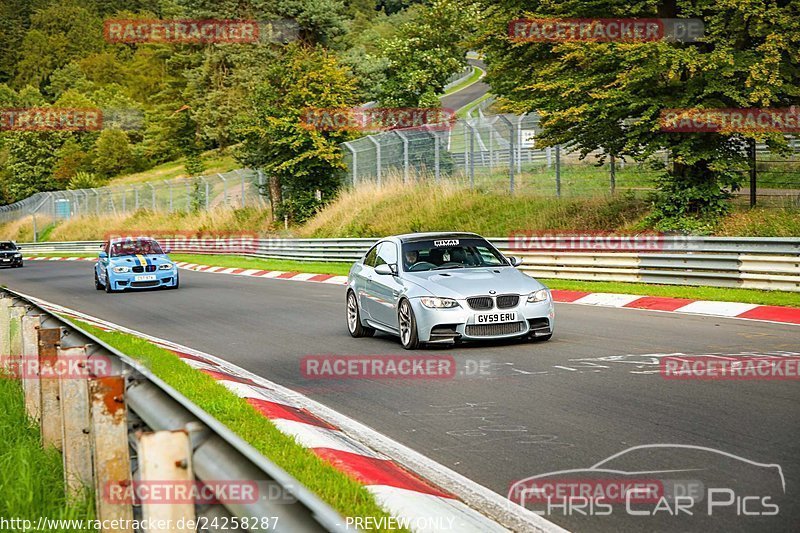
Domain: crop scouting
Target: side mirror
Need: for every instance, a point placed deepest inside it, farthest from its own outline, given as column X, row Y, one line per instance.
column 515, row 261
column 103, row 255
column 386, row 270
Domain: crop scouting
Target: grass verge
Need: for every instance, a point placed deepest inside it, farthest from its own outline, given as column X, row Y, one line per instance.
column 462, row 112
column 473, row 77
column 32, row 479
column 391, row 209
column 344, row 494
column 213, row 162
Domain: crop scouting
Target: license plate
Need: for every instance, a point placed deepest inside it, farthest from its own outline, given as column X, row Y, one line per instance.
column 5, row 260
column 149, row 277
column 495, row 318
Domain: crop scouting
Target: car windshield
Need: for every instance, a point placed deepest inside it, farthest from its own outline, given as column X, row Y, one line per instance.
column 5, row 246
column 447, row 253
column 141, row 246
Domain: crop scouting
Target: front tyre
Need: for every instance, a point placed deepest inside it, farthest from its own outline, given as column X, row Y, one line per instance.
column 354, row 325
column 108, row 288
column 97, row 284
column 409, row 337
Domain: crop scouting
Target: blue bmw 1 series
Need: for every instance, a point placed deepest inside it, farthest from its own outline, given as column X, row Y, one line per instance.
column 134, row 263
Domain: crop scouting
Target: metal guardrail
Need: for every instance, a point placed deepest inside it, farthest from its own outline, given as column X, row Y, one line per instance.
column 217, row 454
column 745, row 262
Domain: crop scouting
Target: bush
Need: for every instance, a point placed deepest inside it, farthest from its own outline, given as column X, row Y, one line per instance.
column 86, row 180
column 112, row 153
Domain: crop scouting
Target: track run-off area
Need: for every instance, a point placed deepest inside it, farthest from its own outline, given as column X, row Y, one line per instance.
column 514, row 409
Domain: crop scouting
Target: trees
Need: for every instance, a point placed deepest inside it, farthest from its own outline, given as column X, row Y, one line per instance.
column 59, row 33
column 608, row 95
column 298, row 159
column 112, row 153
column 425, row 53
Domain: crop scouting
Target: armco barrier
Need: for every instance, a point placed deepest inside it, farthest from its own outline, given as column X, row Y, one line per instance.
column 94, row 420
column 745, row 262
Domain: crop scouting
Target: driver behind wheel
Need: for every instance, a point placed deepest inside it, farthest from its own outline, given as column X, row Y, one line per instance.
column 411, row 257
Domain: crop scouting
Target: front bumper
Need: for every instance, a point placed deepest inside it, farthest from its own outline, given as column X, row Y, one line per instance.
column 446, row 325
column 10, row 261
column 130, row 280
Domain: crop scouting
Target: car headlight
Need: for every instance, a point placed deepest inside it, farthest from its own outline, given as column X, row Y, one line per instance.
column 166, row 266
column 438, row 303
column 121, row 270
column 539, row 296
column 17, row 254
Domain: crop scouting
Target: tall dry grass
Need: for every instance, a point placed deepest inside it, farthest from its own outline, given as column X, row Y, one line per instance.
column 22, row 230
column 372, row 211
column 87, row 228
column 761, row 222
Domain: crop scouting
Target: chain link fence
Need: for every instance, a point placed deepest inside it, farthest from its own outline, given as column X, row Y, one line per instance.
column 239, row 188
column 500, row 152
column 496, row 152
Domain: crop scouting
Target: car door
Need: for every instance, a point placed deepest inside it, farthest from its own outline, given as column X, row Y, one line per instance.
column 361, row 278
column 384, row 289
column 102, row 263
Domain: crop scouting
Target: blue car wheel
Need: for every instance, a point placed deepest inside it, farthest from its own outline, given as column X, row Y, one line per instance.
column 109, row 289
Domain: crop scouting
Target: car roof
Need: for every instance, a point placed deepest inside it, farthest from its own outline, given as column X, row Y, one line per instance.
column 411, row 237
column 127, row 239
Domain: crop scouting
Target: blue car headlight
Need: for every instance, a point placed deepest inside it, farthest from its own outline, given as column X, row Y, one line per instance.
column 438, row 303
column 166, row 266
column 539, row 296
column 121, row 270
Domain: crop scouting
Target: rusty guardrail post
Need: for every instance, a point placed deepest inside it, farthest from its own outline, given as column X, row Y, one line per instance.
column 166, row 457
column 74, row 395
column 15, row 337
column 5, row 337
column 30, row 360
column 109, row 440
column 49, row 340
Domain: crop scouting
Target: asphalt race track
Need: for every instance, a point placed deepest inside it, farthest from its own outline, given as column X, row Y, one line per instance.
column 468, row 94
column 588, row 394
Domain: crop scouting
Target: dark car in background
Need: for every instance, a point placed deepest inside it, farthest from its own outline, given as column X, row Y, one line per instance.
column 10, row 255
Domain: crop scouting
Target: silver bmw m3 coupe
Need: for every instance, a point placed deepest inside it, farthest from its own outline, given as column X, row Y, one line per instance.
column 444, row 288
